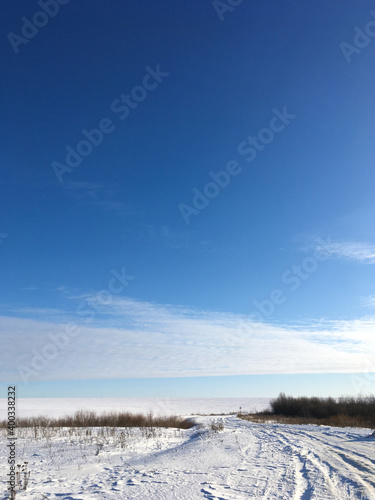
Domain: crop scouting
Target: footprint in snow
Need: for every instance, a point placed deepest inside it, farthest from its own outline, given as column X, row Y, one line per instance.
column 132, row 482
column 218, row 492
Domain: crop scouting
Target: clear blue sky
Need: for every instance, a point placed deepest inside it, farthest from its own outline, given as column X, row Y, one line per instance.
column 217, row 226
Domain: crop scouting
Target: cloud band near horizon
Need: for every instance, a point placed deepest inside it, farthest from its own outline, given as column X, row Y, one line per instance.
column 126, row 338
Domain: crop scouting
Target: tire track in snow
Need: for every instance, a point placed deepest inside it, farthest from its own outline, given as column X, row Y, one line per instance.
column 234, row 485
column 363, row 460
column 274, row 480
column 264, row 486
column 303, row 484
column 354, row 478
column 354, row 461
column 255, row 474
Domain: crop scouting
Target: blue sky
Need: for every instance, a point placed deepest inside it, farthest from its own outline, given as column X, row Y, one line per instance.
column 187, row 198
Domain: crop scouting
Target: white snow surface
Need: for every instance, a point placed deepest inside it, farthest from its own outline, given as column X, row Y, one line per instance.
column 244, row 460
column 58, row 407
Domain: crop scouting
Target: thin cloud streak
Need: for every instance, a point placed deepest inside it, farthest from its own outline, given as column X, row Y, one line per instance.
column 98, row 195
column 351, row 250
column 133, row 339
column 369, row 301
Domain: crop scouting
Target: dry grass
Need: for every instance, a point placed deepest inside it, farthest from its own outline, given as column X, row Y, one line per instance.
column 337, row 421
column 91, row 419
column 217, row 426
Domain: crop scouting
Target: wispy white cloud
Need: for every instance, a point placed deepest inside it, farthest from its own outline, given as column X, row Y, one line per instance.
column 166, row 236
column 351, row 250
column 125, row 338
column 39, row 312
column 175, row 238
column 369, row 301
column 95, row 194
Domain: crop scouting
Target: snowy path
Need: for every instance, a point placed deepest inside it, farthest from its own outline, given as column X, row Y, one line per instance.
column 245, row 460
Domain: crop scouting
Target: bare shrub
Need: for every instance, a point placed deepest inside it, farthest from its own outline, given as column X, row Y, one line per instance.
column 355, row 411
column 84, row 418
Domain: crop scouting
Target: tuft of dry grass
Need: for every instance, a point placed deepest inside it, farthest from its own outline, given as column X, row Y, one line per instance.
column 83, row 418
column 217, row 426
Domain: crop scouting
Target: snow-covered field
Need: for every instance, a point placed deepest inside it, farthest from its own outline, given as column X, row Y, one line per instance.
column 244, row 460
column 58, row 407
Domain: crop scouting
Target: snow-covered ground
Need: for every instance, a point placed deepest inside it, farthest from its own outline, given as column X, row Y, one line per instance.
column 244, row 460
column 58, row 407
